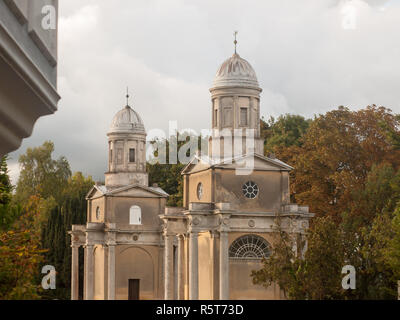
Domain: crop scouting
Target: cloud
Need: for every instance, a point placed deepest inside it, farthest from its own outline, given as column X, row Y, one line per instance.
column 167, row 52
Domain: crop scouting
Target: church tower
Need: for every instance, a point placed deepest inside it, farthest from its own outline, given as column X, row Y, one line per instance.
column 122, row 236
column 127, row 150
column 235, row 110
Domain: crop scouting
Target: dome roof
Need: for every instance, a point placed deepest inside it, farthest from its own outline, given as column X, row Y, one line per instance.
column 236, row 72
column 127, row 121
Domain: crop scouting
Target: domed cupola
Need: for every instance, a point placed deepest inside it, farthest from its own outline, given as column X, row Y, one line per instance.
column 127, row 149
column 236, row 72
column 127, row 120
column 235, row 109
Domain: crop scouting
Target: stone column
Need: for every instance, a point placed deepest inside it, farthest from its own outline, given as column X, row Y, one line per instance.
column 219, row 114
column 175, row 272
column 181, row 278
column 193, row 266
column 112, row 156
column 215, row 264
column 223, row 266
column 111, row 272
column 75, row 272
column 169, row 267
column 89, row 268
column 84, row 272
column 236, row 113
column 126, row 155
column 251, row 116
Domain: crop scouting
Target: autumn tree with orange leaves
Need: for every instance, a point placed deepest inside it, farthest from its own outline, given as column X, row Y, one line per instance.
column 347, row 171
column 338, row 151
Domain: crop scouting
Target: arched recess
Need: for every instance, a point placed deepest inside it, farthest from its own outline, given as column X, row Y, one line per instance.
column 135, row 263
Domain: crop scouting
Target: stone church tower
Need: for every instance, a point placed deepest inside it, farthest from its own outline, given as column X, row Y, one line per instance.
column 235, row 110
column 137, row 248
column 127, row 150
column 122, row 238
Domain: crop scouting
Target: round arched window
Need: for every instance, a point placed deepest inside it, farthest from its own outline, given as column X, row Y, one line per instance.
column 200, row 191
column 250, row 247
column 98, row 213
column 250, row 190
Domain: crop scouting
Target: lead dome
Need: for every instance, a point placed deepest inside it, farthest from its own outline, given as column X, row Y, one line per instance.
column 237, row 72
column 127, row 120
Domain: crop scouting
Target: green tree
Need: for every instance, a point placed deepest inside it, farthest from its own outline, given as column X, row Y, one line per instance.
column 168, row 175
column 285, row 132
column 9, row 211
column 55, row 237
column 391, row 253
column 318, row 275
column 42, row 175
column 5, row 183
column 20, row 255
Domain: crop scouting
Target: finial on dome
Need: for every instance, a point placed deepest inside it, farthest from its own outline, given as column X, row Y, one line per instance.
column 235, row 42
column 127, row 96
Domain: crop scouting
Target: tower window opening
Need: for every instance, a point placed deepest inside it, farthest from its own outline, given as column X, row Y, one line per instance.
column 215, row 117
column 243, row 117
column 132, row 155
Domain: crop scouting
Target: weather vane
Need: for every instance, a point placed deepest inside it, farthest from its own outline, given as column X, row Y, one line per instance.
column 235, row 42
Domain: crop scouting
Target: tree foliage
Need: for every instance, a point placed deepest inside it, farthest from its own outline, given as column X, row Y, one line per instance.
column 9, row 211
column 41, row 175
column 21, row 255
column 347, row 170
column 284, row 132
column 5, row 183
column 168, row 175
column 51, row 202
column 55, row 237
column 318, row 275
column 339, row 150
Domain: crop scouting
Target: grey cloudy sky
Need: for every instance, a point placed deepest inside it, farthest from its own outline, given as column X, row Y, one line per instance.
column 168, row 51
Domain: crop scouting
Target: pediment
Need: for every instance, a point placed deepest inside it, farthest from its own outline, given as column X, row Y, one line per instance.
column 135, row 190
column 197, row 164
column 138, row 191
column 256, row 162
column 95, row 192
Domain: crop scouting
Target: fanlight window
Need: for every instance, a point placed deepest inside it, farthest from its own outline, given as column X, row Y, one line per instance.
column 135, row 215
column 249, row 247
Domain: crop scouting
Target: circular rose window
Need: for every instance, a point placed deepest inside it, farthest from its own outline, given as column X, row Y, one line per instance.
column 250, row 190
column 200, row 191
